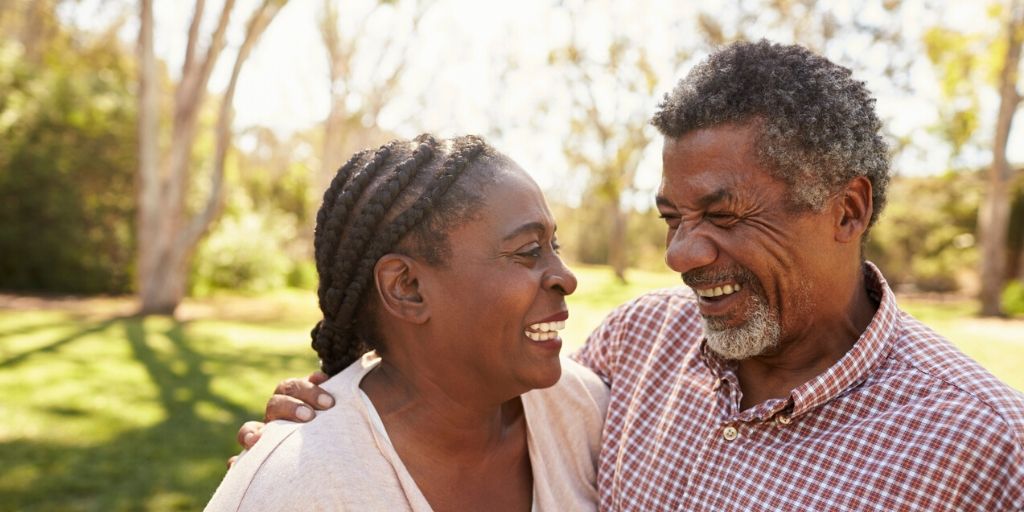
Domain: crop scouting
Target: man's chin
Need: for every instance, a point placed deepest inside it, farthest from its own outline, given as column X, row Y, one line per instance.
column 757, row 336
column 728, row 347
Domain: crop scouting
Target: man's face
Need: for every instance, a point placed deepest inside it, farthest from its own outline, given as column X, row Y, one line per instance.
column 757, row 266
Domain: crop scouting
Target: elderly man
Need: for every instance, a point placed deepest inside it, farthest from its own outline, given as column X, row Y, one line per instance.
column 784, row 376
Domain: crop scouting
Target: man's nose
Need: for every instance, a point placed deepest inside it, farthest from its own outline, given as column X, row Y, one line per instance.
column 688, row 251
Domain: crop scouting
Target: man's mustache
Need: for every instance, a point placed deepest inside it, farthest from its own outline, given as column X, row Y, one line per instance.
column 703, row 277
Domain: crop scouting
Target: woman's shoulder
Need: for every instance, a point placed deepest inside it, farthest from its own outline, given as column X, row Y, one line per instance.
column 579, row 391
column 300, row 465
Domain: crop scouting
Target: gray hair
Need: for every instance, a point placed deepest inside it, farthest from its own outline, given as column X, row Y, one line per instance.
column 819, row 129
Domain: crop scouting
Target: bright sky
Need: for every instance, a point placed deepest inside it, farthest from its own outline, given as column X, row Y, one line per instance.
column 457, row 82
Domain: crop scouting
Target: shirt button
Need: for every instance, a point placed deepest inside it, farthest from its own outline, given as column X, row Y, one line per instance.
column 783, row 419
column 730, row 433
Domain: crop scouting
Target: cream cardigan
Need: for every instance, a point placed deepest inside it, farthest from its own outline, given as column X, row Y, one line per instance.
column 343, row 459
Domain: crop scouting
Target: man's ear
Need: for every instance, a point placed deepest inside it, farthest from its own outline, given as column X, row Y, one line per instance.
column 853, row 208
column 399, row 288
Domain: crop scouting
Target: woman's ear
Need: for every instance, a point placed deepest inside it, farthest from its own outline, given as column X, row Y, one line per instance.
column 853, row 210
column 399, row 288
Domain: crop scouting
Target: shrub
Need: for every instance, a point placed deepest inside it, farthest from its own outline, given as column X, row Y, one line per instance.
column 1013, row 298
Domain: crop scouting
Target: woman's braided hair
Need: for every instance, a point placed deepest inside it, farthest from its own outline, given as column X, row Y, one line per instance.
column 405, row 188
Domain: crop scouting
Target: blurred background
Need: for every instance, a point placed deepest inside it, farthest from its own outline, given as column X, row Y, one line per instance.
column 161, row 164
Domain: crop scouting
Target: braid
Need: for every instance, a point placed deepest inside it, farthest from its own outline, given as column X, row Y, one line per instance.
column 470, row 148
column 345, row 263
column 340, row 208
column 339, row 180
column 373, row 213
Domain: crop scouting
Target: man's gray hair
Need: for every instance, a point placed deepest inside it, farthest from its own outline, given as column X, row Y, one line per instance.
column 819, row 129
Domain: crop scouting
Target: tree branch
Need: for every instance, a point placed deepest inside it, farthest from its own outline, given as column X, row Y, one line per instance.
column 258, row 23
column 187, row 66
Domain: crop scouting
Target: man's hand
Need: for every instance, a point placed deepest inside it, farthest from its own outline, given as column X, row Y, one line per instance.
column 293, row 400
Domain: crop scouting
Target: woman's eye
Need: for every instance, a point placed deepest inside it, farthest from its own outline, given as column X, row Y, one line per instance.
column 530, row 253
column 556, row 247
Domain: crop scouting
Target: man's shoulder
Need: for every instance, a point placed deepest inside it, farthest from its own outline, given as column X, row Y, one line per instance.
column 662, row 303
column 959, row 380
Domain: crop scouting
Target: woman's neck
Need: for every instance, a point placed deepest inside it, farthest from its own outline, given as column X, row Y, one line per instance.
column 436, row 416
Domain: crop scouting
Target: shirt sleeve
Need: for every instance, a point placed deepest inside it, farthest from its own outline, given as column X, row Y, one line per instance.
column 602, row 351
column 1015, row 489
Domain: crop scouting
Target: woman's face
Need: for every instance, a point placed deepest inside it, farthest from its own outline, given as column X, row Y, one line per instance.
column 497, row 305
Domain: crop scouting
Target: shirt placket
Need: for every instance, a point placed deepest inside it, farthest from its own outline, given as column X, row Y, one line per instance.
column 721, row 427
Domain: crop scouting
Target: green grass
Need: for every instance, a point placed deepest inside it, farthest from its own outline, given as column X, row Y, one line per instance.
column 106, row 412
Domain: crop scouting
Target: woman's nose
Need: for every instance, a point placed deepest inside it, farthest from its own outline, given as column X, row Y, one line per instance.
column 561, row 278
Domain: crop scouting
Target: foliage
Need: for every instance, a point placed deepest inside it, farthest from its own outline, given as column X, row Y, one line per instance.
column 243, row 254
column 1013, row 298
column 263, row 242
column 67, row 207
column 925, row 237
column 585, row 239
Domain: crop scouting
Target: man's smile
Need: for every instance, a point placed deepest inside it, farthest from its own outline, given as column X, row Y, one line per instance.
column 718, row 291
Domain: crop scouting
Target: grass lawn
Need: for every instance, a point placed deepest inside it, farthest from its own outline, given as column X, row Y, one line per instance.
column 103, row 411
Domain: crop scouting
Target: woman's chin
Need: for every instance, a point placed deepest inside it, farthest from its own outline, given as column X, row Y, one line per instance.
column 546, row 374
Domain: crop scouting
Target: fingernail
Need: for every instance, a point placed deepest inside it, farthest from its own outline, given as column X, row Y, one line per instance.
column 304, row 413
column 248, row 438
column 325, row 400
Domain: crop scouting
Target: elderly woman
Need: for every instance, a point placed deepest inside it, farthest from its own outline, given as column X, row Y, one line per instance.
column 442, row 295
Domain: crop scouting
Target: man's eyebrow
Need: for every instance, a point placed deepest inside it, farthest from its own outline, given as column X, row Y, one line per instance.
column 525, row 228
column 714, row 197
column 703, row 201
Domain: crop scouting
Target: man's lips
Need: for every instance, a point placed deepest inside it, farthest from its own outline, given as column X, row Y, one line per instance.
column 713, row 301
column 720, row 290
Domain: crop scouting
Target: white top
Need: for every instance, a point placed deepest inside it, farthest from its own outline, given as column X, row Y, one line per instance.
column 343, row 459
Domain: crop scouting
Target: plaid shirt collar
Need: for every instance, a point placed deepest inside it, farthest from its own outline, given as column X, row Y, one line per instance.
column 853, row 368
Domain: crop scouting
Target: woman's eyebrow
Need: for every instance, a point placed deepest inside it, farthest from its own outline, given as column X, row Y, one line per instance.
column 529, row 226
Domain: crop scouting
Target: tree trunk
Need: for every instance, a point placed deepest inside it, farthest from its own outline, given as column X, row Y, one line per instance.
column 994, row 216
column 167, row 235
column 149, row 171
column 617, row 240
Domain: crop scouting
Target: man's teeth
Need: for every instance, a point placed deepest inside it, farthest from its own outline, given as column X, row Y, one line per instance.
column 544, row 331
column 719, row 290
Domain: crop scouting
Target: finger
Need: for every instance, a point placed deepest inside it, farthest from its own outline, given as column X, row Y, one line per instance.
column 318, row 377
column 249, row 433
column 231, row 461
column 306, row 391
column 284, row 407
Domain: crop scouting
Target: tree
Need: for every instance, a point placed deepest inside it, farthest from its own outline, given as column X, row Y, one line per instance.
column 994, row 217
column 606, row 138
column 358, row 96
column 167, row 232
column 968, row 62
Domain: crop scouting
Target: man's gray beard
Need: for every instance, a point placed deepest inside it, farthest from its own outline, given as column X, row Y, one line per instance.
column 756, row 336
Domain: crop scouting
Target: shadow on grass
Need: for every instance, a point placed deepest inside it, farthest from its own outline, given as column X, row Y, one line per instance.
column 54, row 346
column 174, row 464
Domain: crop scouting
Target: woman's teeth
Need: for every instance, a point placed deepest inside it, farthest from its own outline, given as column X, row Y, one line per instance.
column 719, row 290
column 544, row 331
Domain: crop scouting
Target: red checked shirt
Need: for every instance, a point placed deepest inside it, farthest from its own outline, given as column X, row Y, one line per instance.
column 903, row 421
